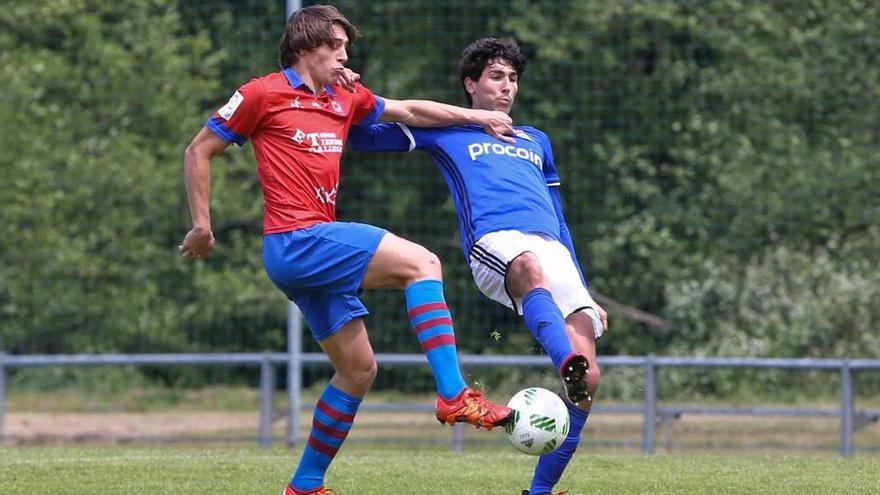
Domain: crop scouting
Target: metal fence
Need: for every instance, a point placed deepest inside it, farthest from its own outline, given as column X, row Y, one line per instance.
column 652, row 412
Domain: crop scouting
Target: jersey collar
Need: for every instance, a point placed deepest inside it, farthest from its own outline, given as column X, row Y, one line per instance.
column 296, row 81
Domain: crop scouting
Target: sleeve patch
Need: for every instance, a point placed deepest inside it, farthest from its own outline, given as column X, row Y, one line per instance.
column 228, row 110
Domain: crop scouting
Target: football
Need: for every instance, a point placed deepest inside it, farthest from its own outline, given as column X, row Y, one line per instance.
column 539, row 423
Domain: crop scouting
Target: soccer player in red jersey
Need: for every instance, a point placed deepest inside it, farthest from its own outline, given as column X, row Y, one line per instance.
column 298, row 120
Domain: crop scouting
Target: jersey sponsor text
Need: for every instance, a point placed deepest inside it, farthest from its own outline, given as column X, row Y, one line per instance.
column 319, row 142
column 325, row 196
column 477, row 149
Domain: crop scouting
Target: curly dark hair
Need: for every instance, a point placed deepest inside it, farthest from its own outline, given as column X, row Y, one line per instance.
column 310, row 27
column 482, row 52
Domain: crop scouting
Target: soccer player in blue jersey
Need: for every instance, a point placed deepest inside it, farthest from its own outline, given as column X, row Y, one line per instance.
column 513, row 231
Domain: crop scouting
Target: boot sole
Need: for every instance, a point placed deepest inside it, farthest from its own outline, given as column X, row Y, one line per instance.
column 574, row 374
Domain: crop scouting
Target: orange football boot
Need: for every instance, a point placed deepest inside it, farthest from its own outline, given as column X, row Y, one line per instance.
column 318, row 491
column 471, row 407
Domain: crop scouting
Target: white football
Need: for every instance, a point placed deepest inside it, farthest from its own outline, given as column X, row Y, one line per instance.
column 539, row 423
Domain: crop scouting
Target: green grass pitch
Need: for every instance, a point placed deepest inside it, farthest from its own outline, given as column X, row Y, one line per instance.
column 364, row 470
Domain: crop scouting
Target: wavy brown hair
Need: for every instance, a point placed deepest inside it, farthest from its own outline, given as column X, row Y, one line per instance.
column 310, row 27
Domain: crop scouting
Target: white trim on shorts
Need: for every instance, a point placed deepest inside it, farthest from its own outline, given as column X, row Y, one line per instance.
column 490, row 258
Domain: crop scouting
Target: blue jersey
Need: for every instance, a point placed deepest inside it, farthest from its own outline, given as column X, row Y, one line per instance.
column 495, row 185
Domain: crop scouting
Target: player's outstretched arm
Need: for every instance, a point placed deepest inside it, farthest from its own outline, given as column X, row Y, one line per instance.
column 199, row 241
column 425, row 113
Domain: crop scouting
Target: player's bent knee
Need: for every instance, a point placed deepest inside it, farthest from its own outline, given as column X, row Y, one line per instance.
column 525, row 273
column 426, row 266
column 431, row 265
column 527, row 265
column 360, row 375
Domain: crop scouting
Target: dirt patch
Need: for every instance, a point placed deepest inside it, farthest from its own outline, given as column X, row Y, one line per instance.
column 688, row 432
column 37, row 427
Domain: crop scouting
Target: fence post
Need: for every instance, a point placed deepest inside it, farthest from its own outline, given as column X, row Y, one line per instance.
column 294, row 372
column 267, row 399
column 458, row 437
column 2, row 392
column 846, row 410
column 650, row 405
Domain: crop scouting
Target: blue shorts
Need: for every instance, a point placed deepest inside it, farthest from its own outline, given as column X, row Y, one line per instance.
column 321, row 268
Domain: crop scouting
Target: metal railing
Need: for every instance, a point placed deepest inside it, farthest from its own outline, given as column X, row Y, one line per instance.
column 650, row 409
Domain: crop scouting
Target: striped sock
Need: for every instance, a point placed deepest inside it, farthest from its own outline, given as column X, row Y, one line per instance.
column 332, row 420
column 550, row 466
column 429, row 316
column 547, row 324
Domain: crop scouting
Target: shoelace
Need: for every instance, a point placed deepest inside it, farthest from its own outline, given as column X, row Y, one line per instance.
column 477, row 397
column 470, row 407
column 474, row 403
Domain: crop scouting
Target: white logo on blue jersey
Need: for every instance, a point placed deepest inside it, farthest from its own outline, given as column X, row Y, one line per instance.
column 477, row 149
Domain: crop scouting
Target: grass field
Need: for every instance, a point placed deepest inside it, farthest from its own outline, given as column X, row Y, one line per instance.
column 385, row 471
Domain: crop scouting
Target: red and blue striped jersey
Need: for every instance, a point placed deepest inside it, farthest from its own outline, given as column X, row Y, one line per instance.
column 298, row 138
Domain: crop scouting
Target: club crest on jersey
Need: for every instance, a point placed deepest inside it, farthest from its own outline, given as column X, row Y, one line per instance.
column 477, row 149
column 336, row 107
column 295, row 103
column 521, row 134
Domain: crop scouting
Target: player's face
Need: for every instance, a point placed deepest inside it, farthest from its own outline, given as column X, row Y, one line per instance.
column 496, row 89
column 326, row 62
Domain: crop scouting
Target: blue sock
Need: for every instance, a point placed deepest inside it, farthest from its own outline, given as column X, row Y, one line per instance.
column 547, row 324
column 429, row 316
column 332, row 421
column 550, row 466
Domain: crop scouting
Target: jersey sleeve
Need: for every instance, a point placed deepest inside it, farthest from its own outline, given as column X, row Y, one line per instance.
column 237, row 120
column 551, row 175
column 565, row 233
column 368, row 107
column 390, row 136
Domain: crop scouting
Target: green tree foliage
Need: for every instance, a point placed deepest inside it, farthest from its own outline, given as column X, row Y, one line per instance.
column 688, row 136
column 99, row 101
column 719, row 163
column 710, row 141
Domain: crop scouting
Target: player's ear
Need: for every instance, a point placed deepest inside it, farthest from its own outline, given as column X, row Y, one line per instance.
column 470, row 85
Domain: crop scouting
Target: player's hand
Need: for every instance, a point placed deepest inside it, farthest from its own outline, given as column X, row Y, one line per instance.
column 347, row 79
column 602, row 316
column 198, row 243
column 498, row 124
